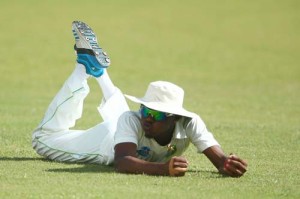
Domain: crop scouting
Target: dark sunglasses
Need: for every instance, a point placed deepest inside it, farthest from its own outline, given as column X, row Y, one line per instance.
column 156, row 115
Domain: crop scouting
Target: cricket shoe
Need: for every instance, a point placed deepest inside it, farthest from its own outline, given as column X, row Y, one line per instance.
column 89, row 53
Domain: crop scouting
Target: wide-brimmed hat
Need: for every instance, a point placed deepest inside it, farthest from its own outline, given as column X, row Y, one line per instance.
column 165, row 97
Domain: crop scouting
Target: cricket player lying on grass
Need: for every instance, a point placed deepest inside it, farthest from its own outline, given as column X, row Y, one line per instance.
column 149, row 141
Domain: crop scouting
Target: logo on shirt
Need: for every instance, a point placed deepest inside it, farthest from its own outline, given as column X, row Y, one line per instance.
column 171, row 149
column 144, row 151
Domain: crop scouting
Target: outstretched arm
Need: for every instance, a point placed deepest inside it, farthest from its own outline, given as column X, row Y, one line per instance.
column 127, row 162
column 230, row 165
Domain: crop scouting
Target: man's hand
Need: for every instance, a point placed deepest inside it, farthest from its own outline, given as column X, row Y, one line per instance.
column 230, row 165
column 234, row 166
column 177, row 166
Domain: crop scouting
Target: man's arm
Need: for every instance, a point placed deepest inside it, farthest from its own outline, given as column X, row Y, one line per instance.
column 127, row 162
column 231, row 165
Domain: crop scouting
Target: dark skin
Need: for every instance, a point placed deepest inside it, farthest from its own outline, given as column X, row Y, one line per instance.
column 126, row 160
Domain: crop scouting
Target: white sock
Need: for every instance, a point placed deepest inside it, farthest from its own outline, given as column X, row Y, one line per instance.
column 106, row 85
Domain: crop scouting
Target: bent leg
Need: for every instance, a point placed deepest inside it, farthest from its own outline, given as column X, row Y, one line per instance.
column 94, row 145
column 111, row 109
column 67, row 105
column 53, row 137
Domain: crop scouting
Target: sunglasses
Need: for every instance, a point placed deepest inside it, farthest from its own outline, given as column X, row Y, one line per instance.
column 156, row 115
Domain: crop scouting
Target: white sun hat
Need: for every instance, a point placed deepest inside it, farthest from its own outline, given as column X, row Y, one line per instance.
column 165, row 97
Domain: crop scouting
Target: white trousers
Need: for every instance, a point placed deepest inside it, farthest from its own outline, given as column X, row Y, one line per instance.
column 53, row 138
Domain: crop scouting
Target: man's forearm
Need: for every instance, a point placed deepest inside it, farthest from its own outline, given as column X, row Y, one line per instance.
column 230, row 165
column 216, row 155
column 129, row 164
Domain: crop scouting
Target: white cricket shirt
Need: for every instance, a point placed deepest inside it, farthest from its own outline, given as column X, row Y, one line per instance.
column 187, row 130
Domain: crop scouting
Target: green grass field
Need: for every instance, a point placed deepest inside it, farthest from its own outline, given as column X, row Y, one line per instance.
column 238, row 62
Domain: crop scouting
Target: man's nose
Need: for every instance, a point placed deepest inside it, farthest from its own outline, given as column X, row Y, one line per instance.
column 150, row 118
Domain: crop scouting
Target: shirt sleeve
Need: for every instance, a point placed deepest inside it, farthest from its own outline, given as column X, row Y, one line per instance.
column 127, row 129
column 199, row 135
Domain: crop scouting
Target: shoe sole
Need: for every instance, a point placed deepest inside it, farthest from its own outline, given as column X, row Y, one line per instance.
column 88, row 39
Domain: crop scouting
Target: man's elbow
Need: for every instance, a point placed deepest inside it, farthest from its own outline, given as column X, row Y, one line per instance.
column 120, row 165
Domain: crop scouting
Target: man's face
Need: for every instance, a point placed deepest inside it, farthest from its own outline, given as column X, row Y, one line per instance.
column 156, row 126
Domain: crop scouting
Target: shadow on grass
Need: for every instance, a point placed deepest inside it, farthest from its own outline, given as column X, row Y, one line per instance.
column 90, row 168
column 210, row 174
column 87, row 168
column 97, row 168
column 22, row 159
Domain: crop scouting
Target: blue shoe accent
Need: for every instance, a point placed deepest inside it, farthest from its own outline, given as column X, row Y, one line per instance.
column 91, row 64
